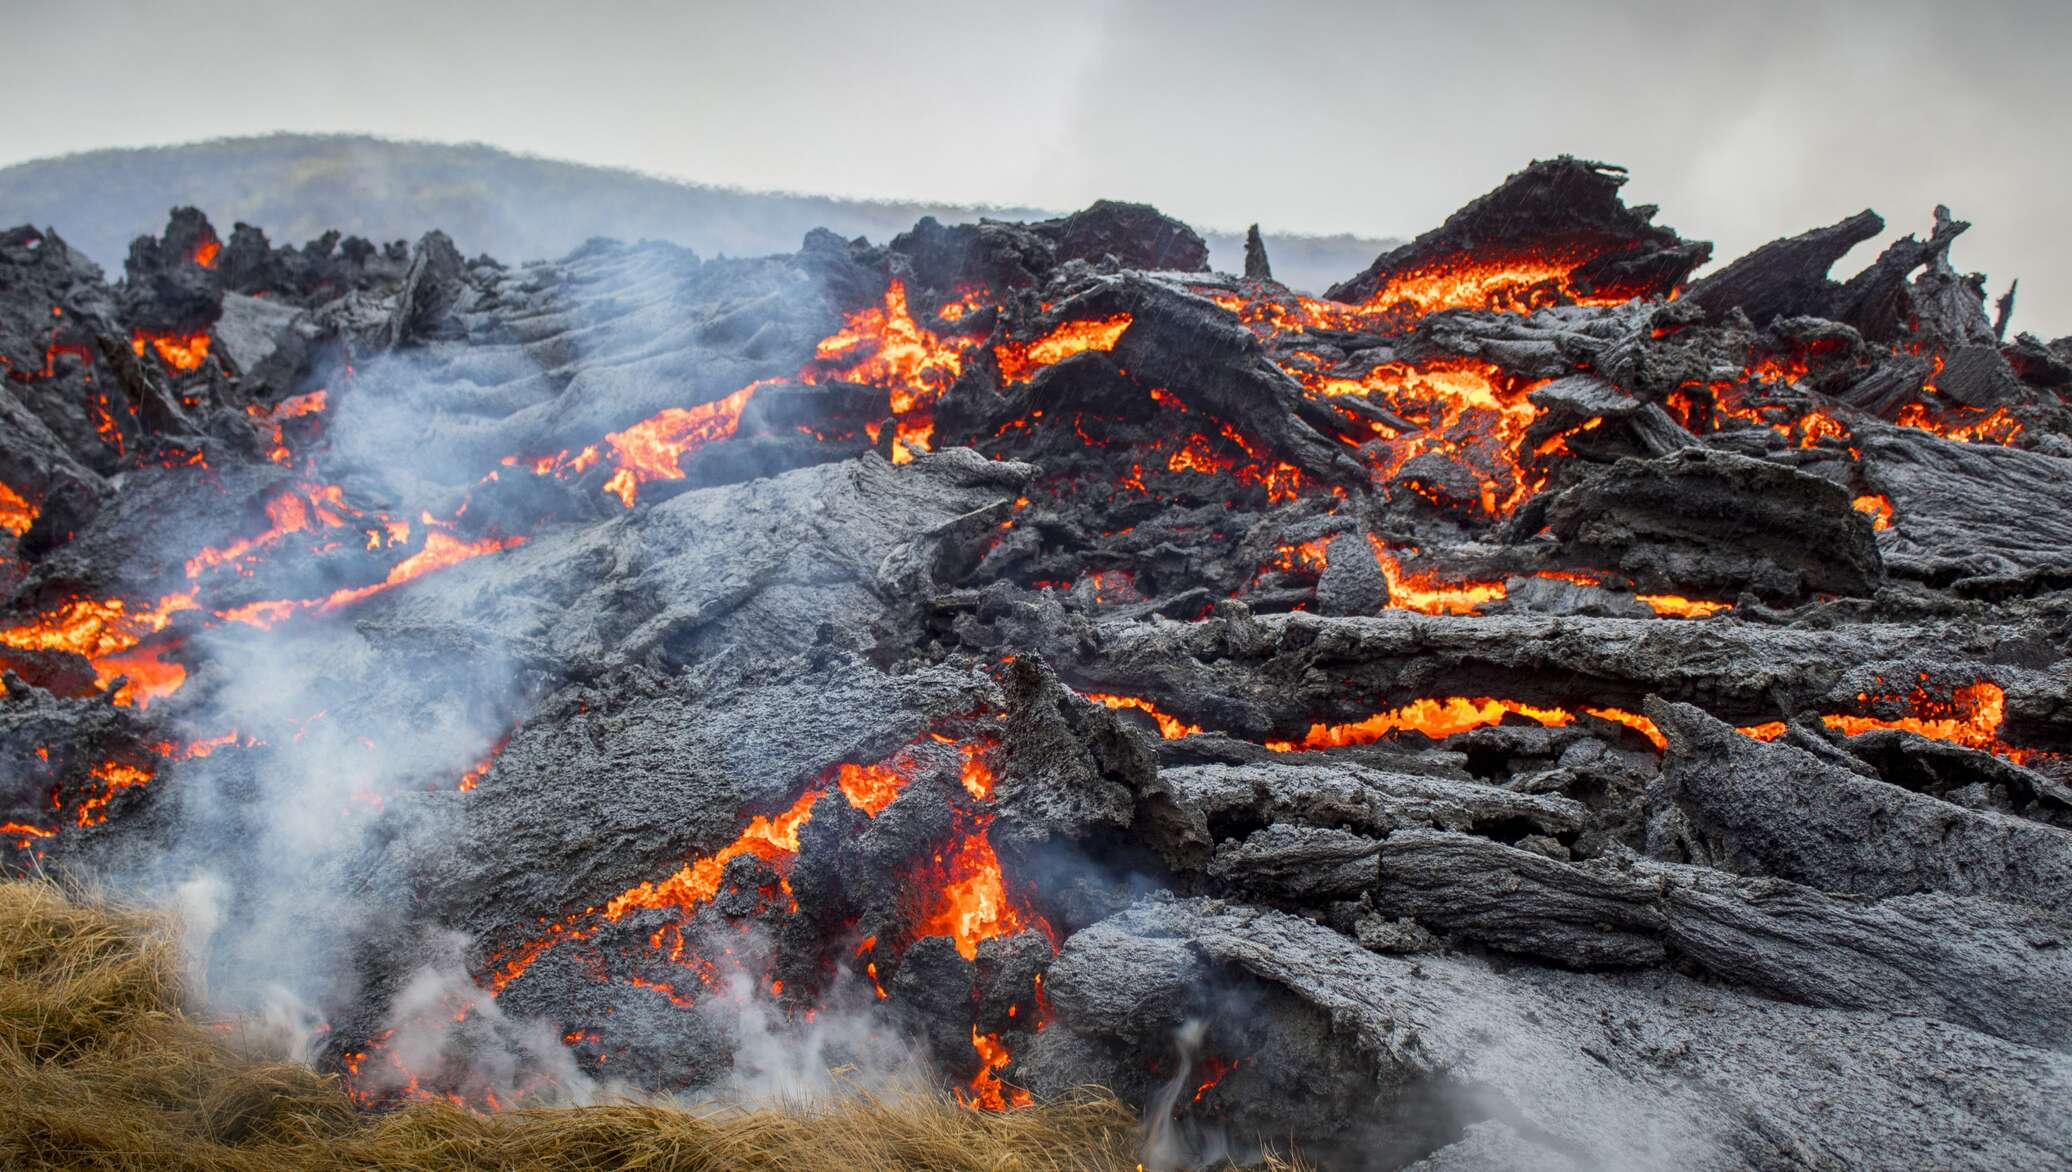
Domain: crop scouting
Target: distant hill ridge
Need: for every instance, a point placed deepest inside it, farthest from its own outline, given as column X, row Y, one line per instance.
column 513, row 207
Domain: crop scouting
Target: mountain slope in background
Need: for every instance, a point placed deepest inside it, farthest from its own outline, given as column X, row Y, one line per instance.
column 513, row 207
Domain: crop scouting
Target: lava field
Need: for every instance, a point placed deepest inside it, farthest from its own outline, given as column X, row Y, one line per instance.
column 1523, row 708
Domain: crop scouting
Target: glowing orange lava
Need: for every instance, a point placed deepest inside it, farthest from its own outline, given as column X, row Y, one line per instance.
column 1172, row 728
column 654, row 448
column 969, row 897
column 1437, row 718
column 1515, row 285
column 1879, row 508
column 1970, row 717
column 1019, row 362
column 16, row 514
column 986, row 1092
column 114, row 777
column 1676, row 606
column 1425, row 593
column 179, row 351
column 870, row 788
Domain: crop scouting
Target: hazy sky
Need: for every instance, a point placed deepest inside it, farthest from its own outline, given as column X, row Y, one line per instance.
column 1744, row 121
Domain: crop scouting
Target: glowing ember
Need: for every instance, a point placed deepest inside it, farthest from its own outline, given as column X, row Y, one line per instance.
column 23, row 834
column 206, row 251
column 473, row 777
column 1213, row 1070
column 179, row 351
column 275, row 417
column 1997, row 426
column 1019, row 362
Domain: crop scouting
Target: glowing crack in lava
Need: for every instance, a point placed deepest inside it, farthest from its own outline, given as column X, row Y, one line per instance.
column 774, row 838
column 1437, row 718
column 295, row 510
column 179, row 351
column 1970, row 717
column 441, row 549
column 1443, row 716
column 960, row 893
column 880, row 345
column 1019, row 362
column 1516, row 284
column 275, row 418
column 1679, row 607
column 654, row 448
column 1426, row 593
column 1877, row 506
column 1170, row 727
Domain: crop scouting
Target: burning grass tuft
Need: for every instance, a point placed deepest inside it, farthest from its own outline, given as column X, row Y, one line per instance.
column 100, row 1068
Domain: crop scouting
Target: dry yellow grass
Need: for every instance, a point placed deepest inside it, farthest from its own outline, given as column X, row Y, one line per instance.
column 99, row 1068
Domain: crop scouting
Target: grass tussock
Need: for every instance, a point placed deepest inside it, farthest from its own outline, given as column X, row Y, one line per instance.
column 99, row 1068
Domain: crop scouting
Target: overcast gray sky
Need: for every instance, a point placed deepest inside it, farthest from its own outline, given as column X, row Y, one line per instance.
column 1745, row 120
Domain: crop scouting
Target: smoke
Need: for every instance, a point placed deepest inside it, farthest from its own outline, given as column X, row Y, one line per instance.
column 442, row 1030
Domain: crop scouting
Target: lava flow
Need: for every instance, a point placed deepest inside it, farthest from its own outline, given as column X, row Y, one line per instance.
column 179, row 351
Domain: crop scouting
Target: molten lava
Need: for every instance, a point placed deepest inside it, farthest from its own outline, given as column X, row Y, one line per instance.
column 1877, row 506
column 969, row 901
column 1970, row 717
column 654, row 448
column 1677, row 606
column 103, row 631
column 179, row 351
column 986, row 1092
column 16, row 514
column 115, row 777
column 870, row 788
column 1172, row 728
column 1425, row 593
column 772, row 838
column 1436, row 718
column 1019, row 362
column 1513, row 285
